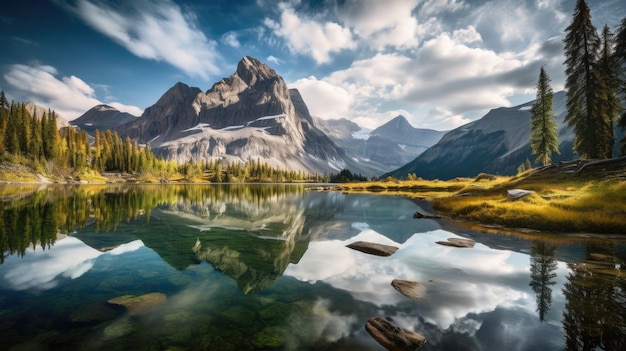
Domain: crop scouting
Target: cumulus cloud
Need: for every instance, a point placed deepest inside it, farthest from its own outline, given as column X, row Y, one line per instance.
column 382, row 24
column 275, row 60
column 323, row 99
column 157, row 30
column 230, row 39
column 68, row 96
column 308, row 37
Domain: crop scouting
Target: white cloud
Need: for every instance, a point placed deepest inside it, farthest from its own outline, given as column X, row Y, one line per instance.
column 230, row 39
column 68, row 96
column 275, row 60
column 467, row 35
column 434, row 7
column 382, row 24
column 153, row 30
column 305, row 36
column 323, row 99
column 442, row 80
column 442, row 119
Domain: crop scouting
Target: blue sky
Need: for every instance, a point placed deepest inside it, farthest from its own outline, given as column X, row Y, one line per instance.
column 440, row 63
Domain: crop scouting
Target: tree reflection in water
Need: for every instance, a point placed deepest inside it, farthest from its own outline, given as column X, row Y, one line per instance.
column 595, row 291
column 542, row 273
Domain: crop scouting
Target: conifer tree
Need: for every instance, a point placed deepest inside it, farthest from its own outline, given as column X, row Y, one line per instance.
column 583, row 84
column 543, row 136
column 608, row 68
column 620, row 53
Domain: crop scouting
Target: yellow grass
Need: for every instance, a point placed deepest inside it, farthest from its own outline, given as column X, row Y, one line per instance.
column 562, row 203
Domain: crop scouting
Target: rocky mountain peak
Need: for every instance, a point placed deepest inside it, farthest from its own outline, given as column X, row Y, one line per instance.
column 179, row 92
column 397, row 123
column 251, row 70
column 104, row 107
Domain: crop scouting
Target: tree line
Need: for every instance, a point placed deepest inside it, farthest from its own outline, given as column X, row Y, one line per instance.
column 595, row 85
column 35, row 140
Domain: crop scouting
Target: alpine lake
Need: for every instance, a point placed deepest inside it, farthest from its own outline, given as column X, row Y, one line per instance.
column 266, row 267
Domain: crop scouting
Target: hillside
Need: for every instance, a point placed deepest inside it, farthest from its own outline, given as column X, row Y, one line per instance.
column 497, row 143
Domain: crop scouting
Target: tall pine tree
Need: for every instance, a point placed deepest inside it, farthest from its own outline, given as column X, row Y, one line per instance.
column 585, row 112
column 608, row 68
column 543, row 135
column 620, row 53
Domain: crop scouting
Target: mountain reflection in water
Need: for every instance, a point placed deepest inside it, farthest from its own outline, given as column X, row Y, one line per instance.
column 246, row 267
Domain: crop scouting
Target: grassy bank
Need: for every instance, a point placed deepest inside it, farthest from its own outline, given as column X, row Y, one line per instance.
column 592, row 201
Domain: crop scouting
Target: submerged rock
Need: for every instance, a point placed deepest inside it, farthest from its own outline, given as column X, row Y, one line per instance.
column 408, row 288
column 392, row 337
column 373, row 248
column 458, row 242
column 138, row 304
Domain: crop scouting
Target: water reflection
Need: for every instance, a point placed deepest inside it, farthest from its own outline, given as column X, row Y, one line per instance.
column 542, row 273
column 265, row 267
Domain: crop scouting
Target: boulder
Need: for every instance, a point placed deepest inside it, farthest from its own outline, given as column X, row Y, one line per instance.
column 419, row 215
column 138, row 304
column 392, row 337
column 373, row 248
column 516, row 194
column 458, row 242
column 409, row 289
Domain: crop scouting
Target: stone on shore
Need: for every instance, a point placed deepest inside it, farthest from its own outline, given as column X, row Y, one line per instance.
column 458, row 242
column 409, row 289
column 516, row 194
column 373, row 248
column 138, row 304
column 392, row 337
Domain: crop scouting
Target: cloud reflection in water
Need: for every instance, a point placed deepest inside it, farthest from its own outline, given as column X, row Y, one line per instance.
column 67, row 258
column 460, row 282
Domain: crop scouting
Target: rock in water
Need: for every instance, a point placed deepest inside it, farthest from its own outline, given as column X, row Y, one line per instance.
column 392, row 337
column 408, row 288
column 373, row 248
column 138, row 304
column 458, row 242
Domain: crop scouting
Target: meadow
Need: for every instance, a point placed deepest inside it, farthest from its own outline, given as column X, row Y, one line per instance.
column 564, row 200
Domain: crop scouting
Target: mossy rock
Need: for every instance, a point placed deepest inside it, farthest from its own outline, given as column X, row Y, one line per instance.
column 268, row 338
column 139, row 304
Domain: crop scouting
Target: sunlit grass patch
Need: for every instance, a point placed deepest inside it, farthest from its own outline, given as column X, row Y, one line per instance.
column 91, row 176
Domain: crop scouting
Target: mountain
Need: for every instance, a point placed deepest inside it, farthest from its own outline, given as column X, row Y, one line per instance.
column 248, row 115
column 38, row 110
column 497, row 143
column 102, row 117
column 387, row 147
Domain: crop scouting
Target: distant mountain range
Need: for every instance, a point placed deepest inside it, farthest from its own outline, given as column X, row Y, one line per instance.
column 102, row 117
column 497, row 143
column 387, row 147
column 252, row 115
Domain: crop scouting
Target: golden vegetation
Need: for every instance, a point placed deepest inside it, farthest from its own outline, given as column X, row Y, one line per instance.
column 591, row 202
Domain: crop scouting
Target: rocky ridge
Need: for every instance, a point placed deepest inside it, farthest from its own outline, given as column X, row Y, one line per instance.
column 249, row 115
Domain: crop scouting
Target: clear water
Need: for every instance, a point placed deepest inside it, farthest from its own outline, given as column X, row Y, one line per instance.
column 265, row 267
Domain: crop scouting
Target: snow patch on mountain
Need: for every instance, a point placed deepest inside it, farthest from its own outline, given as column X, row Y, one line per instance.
column 362, row 134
